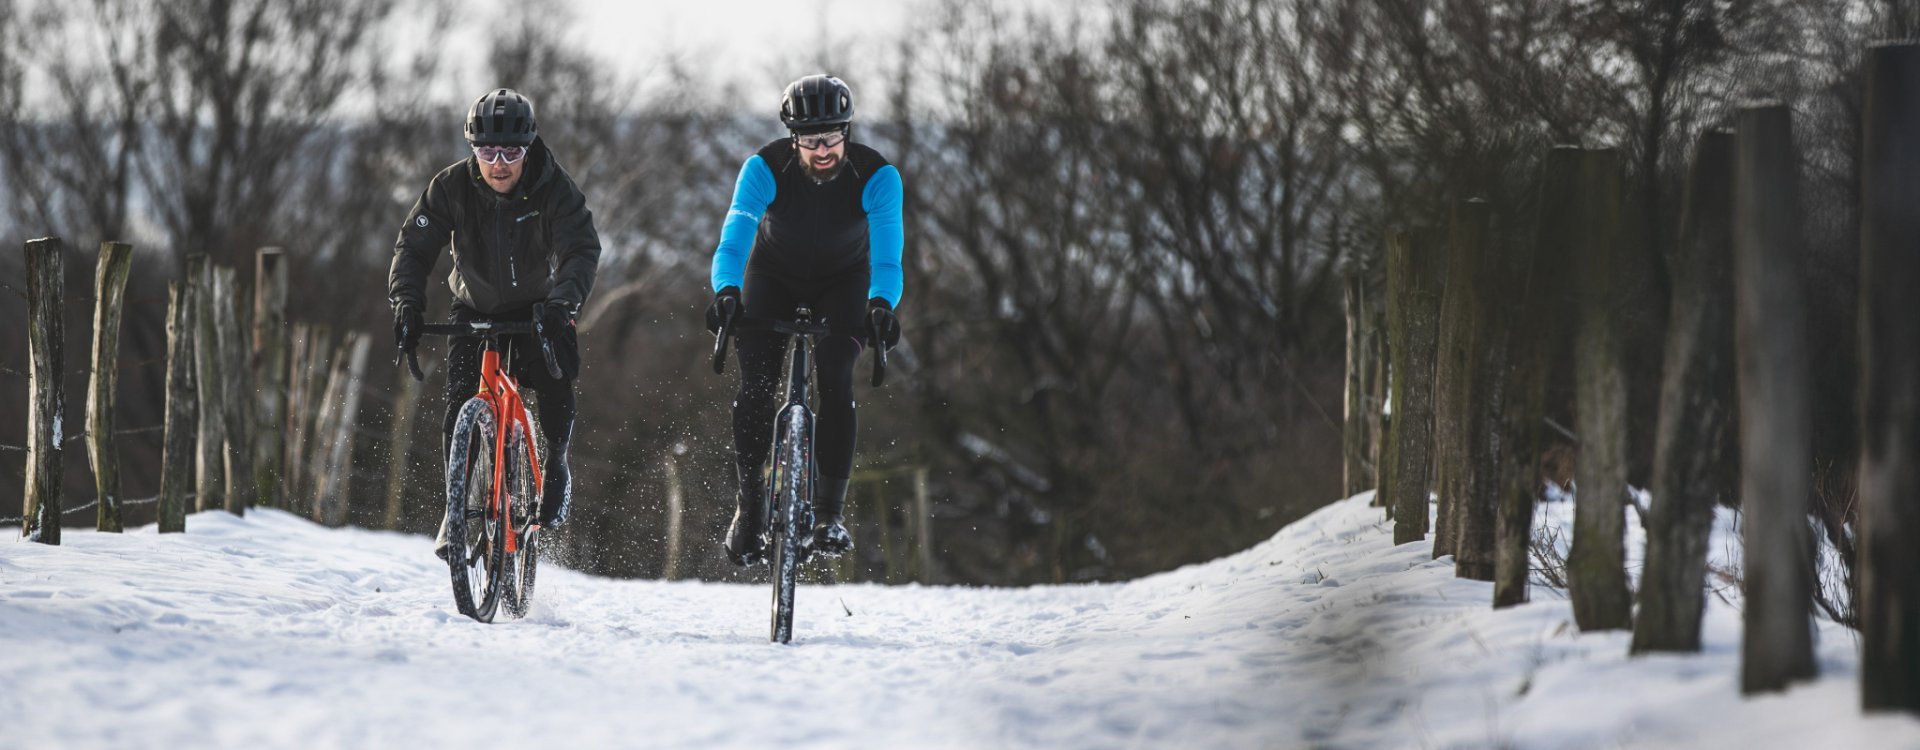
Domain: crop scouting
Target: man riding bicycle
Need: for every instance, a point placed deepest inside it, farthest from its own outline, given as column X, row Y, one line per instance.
column 815, row 221
column 524, row 248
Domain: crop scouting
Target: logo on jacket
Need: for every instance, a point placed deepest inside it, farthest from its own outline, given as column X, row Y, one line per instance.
column 421, row 220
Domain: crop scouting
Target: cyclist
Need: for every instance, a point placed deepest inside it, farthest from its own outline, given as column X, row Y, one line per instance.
column 815, row 220
column 524, row 247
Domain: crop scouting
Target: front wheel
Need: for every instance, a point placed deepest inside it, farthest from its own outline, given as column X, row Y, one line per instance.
column 475, row 546
column 790, row 520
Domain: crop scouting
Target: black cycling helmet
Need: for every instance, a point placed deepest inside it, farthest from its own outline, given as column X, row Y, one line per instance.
column 816, row 102
column 502, row 117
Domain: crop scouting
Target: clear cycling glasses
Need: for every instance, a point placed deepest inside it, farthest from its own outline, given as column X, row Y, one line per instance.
column 497, row 154
column 819, row 141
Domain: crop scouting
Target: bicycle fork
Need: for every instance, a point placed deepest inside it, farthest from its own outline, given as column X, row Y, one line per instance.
column 510, row 412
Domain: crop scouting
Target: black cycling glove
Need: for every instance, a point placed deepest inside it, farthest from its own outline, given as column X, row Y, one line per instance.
column 726, row 302
column 883, row 327
column 406, row 327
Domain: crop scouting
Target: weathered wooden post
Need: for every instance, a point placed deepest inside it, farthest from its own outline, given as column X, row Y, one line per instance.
column 298, row 336
column 676, row 507
column 320, row 434
column 270, row 376
column 1694, row 438
column 305, row 394
column 109, row 290
column 1376, row 417
column 1535, row 342
column 1452, row 377
column 1467, row 366
column 236, row 407
column 1357, row 441
column 1596, row 563
column 1413, row 308
column 1890, row 383
column 1775, row 413
column 176, row 468
column 210, row 465
column 923, row 531
column 335, row 470
column 47, row 407
column 406, row 408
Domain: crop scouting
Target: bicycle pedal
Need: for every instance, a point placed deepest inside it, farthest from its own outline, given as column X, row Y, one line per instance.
column 746, row 560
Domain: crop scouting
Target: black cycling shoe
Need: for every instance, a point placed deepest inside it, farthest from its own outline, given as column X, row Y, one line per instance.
column 830, row 537
column 745, row 545
column 559, row 494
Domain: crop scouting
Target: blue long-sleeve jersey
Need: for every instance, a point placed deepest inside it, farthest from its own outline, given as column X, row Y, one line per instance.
column 782, row 219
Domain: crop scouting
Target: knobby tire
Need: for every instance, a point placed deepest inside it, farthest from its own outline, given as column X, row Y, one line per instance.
column 475, row 547
column 792, row 482
column 525, row 501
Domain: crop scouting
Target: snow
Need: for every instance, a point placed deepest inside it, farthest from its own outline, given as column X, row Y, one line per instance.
column 270, row 631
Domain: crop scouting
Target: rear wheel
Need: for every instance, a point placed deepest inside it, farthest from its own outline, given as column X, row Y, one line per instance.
column 475, row 545
column 793, row 478
column 524, row 500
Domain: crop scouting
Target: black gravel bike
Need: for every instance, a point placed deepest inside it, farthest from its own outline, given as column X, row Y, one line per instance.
column 789, row 510
column 493, row 480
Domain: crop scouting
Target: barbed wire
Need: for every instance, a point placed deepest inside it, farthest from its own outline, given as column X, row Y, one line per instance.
column 82, row 435
column 96, row 501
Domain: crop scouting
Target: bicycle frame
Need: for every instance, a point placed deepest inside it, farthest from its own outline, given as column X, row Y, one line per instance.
column 502, row 393
column 798, row 406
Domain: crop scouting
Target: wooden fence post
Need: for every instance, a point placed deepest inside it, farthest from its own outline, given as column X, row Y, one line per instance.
column 176, row 469
column 109, row 290
column 406, row 409
column 1453, row 377
column 46, row 413
column 210, row 466
column 269, row 368
column 305, row 393
column 330, row 363
column 1413, row 308
column 298, row 336
column 1890, row 383
column 1694, row 437
column 1775, row 413
column 237, row 385
column 1468, row 371
column 1596, row 563
column 676, row 506
column 1357, row 442
column 923, row 526
column 1376, row 417
column 335, row 467
column 1536, row 339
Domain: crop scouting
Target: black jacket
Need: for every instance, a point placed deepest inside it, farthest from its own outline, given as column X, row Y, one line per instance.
column 508, row 251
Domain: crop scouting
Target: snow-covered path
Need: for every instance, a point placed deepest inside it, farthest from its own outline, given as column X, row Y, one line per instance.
column 269, row 631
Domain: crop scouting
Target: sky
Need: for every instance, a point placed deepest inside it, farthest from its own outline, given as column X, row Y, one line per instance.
column 744, row 38
column 270, row 631
column 762, row 44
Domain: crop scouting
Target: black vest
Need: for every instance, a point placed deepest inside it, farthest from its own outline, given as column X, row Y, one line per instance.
column 811, row 230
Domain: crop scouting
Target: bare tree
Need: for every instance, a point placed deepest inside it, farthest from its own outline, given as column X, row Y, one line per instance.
column 242, row 93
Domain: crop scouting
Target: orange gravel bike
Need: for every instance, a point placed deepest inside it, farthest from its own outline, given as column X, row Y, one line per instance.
column 493, row 480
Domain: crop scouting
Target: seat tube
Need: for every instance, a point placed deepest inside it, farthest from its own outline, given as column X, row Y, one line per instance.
column 797, row 379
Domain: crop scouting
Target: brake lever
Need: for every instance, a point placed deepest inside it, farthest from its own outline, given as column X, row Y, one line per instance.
column 546, row 348
column 727, row 315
